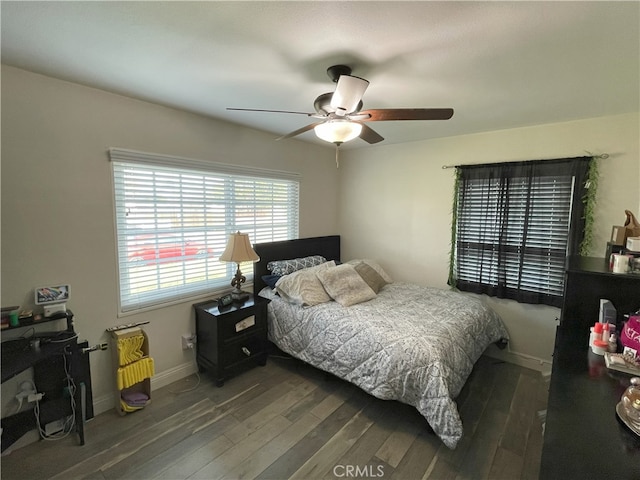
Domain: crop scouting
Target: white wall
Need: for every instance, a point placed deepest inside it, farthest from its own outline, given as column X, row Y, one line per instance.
column 396, row 205
column 389, row 202
column 57, row 208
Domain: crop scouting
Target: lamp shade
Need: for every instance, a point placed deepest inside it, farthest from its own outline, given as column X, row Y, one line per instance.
column 338, row 131
column 348, row 94
column 239, row 249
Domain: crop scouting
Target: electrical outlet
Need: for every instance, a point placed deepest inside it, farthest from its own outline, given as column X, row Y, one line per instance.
column 26, row 389
column 188, row 341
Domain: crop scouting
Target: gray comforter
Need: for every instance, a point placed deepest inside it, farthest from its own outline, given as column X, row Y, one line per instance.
column 411, row 343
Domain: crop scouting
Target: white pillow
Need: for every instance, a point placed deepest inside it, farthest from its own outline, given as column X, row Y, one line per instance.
column 345, row 285
column 303, row 287
column 373, row 264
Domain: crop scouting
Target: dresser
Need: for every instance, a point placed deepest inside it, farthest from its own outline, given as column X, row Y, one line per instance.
column 583, row 436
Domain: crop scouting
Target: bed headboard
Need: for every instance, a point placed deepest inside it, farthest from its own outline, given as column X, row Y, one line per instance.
column 328, row 247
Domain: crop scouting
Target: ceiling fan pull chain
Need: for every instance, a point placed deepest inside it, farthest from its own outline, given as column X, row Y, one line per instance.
column 337, row 161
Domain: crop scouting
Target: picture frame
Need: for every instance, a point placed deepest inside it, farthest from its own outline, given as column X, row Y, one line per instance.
column 52, row 294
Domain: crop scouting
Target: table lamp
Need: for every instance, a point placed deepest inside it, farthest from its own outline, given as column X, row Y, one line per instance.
column 239, row 250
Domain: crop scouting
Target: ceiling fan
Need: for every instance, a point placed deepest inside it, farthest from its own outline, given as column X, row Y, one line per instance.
column 340, row 115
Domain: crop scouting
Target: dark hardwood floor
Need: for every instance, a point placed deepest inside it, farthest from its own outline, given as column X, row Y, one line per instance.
column 288, row 420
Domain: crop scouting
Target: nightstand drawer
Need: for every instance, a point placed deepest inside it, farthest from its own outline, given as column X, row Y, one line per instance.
column 246, row 348
column 237, row 326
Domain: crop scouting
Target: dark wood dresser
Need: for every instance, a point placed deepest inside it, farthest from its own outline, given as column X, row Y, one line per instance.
column 583, row 436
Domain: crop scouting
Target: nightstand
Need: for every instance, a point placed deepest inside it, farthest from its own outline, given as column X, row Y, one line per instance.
column 231, row 339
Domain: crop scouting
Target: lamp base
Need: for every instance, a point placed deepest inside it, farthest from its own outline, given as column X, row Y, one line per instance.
column 239, row 296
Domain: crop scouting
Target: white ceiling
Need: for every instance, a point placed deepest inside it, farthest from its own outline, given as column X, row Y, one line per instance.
column 498, row 64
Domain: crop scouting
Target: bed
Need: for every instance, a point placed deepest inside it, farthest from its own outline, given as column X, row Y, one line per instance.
column 406, row 342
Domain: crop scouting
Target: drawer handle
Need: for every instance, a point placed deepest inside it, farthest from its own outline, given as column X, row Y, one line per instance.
column 246, row 351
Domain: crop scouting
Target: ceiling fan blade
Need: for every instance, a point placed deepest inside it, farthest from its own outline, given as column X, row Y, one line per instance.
column 387, row 114
column 270, row 111
column 299, row 131
column 348, row 93
column 369, row 135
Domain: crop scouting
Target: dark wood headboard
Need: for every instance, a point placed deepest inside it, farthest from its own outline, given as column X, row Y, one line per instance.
column 328, row 247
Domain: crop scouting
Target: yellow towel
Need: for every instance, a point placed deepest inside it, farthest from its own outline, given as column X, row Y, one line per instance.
column 128, row 408
column 135, row 372
column 130, row 349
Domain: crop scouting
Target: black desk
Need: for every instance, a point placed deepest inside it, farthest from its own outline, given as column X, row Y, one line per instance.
column 583, row 436
column 49, row 370
column 18, row 361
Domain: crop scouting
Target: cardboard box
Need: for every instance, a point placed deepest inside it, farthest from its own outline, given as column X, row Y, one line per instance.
column 618, row 235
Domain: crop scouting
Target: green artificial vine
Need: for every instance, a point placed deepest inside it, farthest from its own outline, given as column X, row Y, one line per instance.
column 454, row 224
column 589, row 200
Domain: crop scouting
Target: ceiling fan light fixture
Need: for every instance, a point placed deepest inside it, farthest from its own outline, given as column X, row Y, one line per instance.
column 338, row 131
column 348, row 94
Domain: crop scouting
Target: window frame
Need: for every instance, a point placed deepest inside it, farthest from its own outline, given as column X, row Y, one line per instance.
column 193, row 275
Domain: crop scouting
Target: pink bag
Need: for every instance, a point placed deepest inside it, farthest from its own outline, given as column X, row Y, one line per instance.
column 630, row 335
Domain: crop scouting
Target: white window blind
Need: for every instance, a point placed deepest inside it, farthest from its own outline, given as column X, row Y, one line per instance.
column 174, row 216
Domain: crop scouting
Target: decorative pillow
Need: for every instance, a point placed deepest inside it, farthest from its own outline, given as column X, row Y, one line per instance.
column 345, row 285
column 270, row 280
column 303, row 287
column 369, row 275
column 285, row 267
column 375, row 266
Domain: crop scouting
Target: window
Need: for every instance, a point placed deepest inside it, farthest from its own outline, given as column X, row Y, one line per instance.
column 515, row 225
column 174, row 216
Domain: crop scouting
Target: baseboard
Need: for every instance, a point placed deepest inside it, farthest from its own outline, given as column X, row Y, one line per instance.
column 521, row 359
column 106, row 402
column 173, row 375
